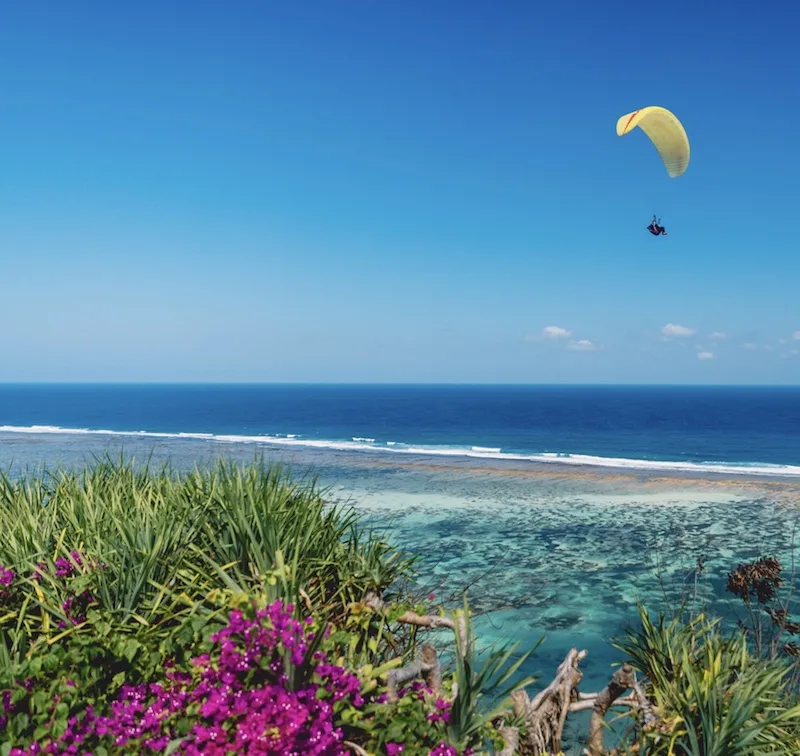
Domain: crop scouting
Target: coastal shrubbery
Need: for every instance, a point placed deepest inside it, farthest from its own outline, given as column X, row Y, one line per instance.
column 215, row 612
column 233, row 610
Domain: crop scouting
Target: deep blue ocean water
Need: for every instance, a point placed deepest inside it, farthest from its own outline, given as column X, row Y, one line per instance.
column 717, row 427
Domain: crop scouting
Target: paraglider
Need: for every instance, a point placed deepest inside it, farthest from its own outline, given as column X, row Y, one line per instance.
column 656, row 229
column 665, row 132
column 668, row 136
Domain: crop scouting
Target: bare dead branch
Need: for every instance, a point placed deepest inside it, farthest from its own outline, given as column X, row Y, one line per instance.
column 546, row 713
column 622, row 679
column 588, row 703
column 432, row 670
column 427, row 667
column 650, row 718
column 510, row 737
column 375, row 603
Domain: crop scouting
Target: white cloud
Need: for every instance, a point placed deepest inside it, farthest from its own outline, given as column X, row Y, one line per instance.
column 582, row 345
column 673, row 329
column 556, row 332
column 749, row 345
column 718, row 336
column 796, row 335
column 705, row 355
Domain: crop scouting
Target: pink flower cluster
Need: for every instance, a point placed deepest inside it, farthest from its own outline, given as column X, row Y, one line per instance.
column 444, row 750
column 6, row 578
column 441, row 712
column 239, row 699
column 242, row 713
column 64, row 567
column 75, row 605
column 441, row 706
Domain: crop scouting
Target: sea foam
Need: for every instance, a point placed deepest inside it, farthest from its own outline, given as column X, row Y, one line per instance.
column 363, row 444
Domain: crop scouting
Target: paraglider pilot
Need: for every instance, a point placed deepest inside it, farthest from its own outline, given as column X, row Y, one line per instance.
column 655, row 229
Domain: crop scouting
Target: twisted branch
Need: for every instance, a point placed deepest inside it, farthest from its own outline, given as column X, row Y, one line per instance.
column 623, row 679
column 510, row 737
column 374, row 602
column 427, row 667
column 546, row 713
column 650, row 717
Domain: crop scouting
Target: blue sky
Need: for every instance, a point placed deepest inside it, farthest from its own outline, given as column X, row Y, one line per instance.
column 362, row 191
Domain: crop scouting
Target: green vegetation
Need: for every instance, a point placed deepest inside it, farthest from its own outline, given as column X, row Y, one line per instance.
column 233, row 610
column 713, row 695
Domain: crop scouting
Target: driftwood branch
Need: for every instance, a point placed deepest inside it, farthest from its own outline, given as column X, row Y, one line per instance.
column 588, row 702
column 433, row 676
column 650, row 718
column 428, row 668
column 375, row 603
column 546, row 714
column 623, row 679
column 355, row 748
column 510, row 737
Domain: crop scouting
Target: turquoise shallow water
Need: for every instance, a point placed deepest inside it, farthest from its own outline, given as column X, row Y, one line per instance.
column 564, row 553
column 573, row 555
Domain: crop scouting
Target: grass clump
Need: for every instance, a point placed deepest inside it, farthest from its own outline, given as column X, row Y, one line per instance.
column 231, row 527
column 712, row 692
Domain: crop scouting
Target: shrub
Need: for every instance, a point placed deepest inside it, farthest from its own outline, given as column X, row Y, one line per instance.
column 714, row 696
column 216, row 612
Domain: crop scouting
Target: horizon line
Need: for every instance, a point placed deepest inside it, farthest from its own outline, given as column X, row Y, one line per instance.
column 401, row 383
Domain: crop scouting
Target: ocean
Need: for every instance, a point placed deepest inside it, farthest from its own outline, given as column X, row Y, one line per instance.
column 731, row 430
column 556, row 507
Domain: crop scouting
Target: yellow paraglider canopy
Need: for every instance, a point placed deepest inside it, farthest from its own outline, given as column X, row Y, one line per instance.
column 665, row 131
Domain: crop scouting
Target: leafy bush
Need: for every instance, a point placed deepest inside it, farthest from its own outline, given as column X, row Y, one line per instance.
column 263, row 683
column 713, row 695
column 218, row 612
